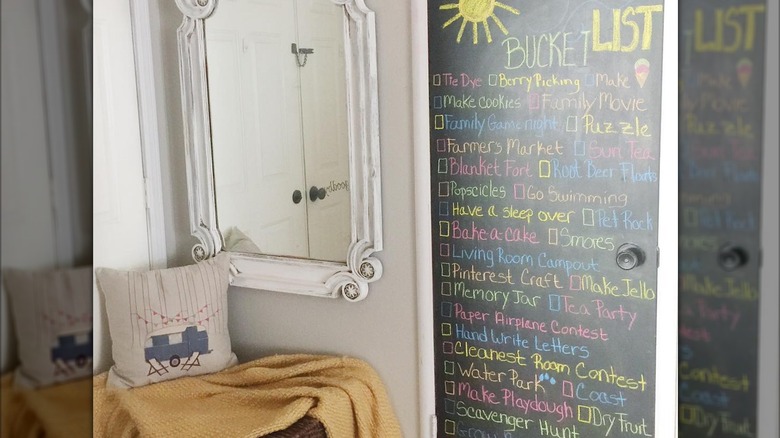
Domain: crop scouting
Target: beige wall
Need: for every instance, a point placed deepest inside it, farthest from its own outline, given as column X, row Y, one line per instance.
column 381, row 329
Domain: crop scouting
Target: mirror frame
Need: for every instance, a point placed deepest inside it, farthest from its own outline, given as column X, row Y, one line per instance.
column 349, row 279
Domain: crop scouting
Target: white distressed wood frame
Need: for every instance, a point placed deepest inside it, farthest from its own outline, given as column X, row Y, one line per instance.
column 152, row 137
column 286, row 274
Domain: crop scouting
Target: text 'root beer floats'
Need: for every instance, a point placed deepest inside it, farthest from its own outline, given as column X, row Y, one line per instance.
column 544, row 121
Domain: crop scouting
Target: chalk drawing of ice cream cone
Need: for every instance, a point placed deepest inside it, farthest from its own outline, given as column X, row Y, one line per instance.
column 744, row 71
column 641, row 70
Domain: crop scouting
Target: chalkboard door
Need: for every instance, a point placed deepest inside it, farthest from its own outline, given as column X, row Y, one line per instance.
column 544, row 157
column 721, row 124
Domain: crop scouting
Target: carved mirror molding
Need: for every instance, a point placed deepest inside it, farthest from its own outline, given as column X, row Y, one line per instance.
column 349, row 279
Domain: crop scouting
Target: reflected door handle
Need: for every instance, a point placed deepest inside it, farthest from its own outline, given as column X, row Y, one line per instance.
column 315, row 193
column 731, row 257
column 297, row 196
column 629, row 256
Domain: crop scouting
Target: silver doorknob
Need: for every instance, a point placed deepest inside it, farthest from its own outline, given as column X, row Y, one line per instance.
column 629, row 256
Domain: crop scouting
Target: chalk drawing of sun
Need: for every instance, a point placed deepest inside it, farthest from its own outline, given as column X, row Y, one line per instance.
column 476, row 12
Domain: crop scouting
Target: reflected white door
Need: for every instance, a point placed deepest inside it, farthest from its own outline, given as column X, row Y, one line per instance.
column 323, row 97
column 119, row 205
column 255, row 116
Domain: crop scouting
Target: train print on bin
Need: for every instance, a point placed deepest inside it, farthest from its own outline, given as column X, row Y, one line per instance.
column 175, row 345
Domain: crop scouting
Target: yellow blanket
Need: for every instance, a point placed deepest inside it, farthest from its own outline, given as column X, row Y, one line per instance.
column 251, row 400
column 57, row 411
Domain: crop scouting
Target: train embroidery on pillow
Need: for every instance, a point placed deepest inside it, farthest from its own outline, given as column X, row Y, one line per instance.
column 72, row 349
column 179, row 345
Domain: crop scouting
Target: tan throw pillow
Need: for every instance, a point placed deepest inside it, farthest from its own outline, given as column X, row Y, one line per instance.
column 168, row 323
column 52, row 316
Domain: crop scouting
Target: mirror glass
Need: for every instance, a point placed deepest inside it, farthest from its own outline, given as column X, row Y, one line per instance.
column 278, row 112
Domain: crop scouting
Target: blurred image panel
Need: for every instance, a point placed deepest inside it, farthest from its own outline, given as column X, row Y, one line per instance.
column 46, row 297
column 723, row 85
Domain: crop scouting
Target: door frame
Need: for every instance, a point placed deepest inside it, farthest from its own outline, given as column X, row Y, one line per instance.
column 666, row 336
column 769, row 278
column 152, row 133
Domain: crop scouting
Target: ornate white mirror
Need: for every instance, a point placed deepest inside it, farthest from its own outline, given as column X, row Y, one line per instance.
column 282, row 141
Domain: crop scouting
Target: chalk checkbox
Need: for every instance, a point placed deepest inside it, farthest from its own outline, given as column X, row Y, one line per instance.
column 442, row 165
column 449, row 387
column 590, row 80
column 585, row 414
column 449, row 427
column 446, row 270
column 571, row 124
column 444, row 249
column 444, row 189
column 579, row 148
column 552, row 237
column 533, row 101
column 519, row 191
column 441, row 145
column 446, row 289
column 449, row 367
column 437, row 102
column 444, row 209
column 588, row 219
column 691, row 217
column 446, row 309
column 446, row 329
column 436, row 80
column 449, row 406
column 567, row 389
column 444, row 229
column 555, row 303
column 544, row 168
column 687, row 413
column 438, row 122
column 447, row 347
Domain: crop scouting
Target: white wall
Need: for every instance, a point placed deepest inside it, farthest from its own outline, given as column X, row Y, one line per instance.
column 119, row 209
column 381, row 329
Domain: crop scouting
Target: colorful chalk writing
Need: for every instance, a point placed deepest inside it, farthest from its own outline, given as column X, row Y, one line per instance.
column 720, row 118
column 544, row 139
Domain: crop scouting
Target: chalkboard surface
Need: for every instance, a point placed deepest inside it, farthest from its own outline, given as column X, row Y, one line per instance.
column 721, row 120
column 545, row 122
